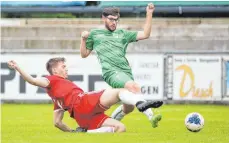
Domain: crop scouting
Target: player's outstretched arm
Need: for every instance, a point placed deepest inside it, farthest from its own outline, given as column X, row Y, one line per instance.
column 58, row 117
column 41, row 82
column 84, row 52
column 148, row 24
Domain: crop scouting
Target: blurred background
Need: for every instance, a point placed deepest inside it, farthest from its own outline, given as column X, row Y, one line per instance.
column 185, row 35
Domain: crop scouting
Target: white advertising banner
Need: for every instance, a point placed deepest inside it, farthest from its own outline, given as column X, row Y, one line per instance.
column 226, row 59
column 196, row 77
column 148, row 71
column 14, row 87
column 86, row 73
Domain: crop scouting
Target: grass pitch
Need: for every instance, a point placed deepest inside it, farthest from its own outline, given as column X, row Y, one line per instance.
column 27, row 123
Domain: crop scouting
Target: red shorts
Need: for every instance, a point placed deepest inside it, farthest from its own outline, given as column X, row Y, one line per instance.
column 89, row 113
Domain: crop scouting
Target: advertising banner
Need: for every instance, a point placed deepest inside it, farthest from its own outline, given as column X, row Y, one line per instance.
column 227, row 73
column 196, row 77
column 86, row 73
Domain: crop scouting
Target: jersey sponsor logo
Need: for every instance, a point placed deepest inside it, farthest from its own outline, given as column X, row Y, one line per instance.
column 115, row 35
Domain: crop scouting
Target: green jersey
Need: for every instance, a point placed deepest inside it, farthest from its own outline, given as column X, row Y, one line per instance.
column 111, row 50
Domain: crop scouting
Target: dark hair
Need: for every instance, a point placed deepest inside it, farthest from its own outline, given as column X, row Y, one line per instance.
column 53, row 62
column 114, row 11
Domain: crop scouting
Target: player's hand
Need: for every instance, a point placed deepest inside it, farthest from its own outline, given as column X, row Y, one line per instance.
column 150, row 8
column 12, row 64
column 85, row 34
column 79, row 130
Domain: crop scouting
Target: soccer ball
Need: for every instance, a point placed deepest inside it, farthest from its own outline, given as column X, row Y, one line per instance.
column 194, row 122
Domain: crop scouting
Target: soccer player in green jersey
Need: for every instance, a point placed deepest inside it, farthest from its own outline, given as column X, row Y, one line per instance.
column 110, row 45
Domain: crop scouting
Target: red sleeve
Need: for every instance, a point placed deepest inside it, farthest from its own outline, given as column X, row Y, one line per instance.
column 51, row 79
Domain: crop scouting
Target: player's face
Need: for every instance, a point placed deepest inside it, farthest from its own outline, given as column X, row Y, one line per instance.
column 61, row 70
column 111, row 22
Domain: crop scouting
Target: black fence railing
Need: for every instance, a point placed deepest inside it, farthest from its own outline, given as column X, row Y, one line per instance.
column 160, row 11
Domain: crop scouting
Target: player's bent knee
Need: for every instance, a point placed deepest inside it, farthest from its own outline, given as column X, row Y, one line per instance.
column 132, row 87
column 129, row 84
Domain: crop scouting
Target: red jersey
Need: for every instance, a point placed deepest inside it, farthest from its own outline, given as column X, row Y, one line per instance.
column 85, row 108
column 63, row 92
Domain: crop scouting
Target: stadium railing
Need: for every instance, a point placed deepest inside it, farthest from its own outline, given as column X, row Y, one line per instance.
column 176, row 8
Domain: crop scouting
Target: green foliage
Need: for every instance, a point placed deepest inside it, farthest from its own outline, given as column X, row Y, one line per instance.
column 52, row 15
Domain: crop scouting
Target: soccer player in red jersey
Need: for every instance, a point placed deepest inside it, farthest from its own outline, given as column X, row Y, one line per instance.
column 87, row 108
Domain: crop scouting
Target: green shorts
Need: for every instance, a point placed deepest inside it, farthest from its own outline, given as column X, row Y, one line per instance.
column 119, row 79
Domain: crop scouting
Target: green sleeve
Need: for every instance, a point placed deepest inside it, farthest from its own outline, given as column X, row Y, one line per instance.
column 90, row 42
column 131, row 36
